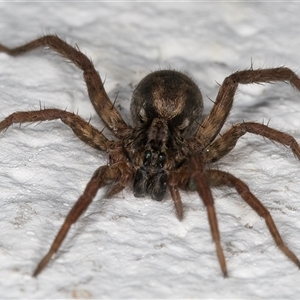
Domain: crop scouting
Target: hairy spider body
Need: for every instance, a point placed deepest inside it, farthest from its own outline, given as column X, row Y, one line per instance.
column 169, row 148
column 166, row 108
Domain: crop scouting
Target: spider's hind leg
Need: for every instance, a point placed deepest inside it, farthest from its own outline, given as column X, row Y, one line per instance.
column 213, row 123
column 102, row 104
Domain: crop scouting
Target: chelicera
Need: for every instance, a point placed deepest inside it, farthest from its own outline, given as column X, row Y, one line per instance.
column 169, row 147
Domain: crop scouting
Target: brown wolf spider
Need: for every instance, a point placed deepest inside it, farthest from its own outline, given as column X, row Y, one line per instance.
column 168, row 147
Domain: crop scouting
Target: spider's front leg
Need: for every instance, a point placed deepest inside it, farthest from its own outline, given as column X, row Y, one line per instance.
column 199, row 178
column 213, row 123
column 103, row 176
column 118, row 172
column 219, row 178
column 103, row 106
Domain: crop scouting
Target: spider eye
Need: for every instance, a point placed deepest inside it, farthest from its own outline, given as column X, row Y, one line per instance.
column 147, row 157
column 161, row 159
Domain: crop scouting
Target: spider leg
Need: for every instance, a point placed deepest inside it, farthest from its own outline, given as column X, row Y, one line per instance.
column 213, row 123
column 217, row 178
column 228, row 140
column 102, row 104
column 200, row 179
column 178, row 179
column 85, row 131
column 100, row 178
column 177, row 200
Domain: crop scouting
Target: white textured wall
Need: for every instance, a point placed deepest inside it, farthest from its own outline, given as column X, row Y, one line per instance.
column 136, row 248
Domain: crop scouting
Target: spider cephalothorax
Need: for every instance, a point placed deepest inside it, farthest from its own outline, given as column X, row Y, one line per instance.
column 168, row 147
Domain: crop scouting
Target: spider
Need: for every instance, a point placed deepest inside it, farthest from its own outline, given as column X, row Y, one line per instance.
column 168, row 148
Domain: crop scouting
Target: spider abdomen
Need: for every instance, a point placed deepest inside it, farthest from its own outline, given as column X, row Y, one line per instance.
column 168, row 95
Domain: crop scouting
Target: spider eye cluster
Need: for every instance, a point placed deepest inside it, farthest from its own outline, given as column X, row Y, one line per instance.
column 156, row 159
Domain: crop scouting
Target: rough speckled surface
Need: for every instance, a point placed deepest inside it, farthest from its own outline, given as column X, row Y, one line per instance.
column 136, row 248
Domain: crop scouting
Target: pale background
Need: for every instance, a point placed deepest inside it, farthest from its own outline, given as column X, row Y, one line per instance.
column 136, row 248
